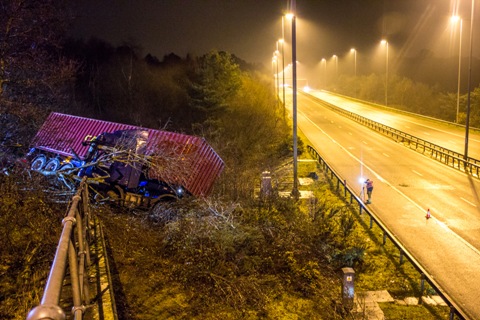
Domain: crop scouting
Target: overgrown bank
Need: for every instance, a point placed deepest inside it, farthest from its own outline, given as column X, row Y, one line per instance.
column 272, row 259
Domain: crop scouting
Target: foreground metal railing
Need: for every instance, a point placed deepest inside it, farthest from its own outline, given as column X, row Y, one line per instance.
column 452, row 158
column 73, row 245
column 349, row 195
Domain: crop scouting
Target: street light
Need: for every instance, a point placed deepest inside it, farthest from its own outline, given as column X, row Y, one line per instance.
column 336, row 66
column 454, row 19
column 385, row 42
column 291, row 16
column 324, row 61
column 467, row 120
column 273, row 72
column 281, row 41
column 277, row 53
column 355, row 71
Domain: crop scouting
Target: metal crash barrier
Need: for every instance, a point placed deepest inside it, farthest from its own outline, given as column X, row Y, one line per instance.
column 73, row 245
column 350, row 196
column 451, row 158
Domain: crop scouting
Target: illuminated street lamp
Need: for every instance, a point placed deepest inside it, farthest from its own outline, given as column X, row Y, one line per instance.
column 467, row 120
column 273, row 72
column 355, row 70
column 281, row 41
column 385, row 43
column 455, row 19
column 324, row 61
column 277, row 53
column 336, row 66
column 291, row 16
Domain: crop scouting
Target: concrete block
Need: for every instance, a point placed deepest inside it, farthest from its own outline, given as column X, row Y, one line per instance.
column 411, row 301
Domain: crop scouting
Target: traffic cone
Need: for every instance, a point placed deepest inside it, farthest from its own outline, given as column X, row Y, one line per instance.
column 428, row 216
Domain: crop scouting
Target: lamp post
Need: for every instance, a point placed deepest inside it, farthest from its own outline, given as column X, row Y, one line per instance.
column 385, row 42
column 454, row 19
column 295, row 192
column 275, row 73
column 467, row 120
column 355, row 71
column 336, row 66
column 277, row 53
column 281, row 41
column 324, row 61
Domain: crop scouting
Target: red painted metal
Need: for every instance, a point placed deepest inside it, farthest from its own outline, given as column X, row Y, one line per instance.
column 201, row 165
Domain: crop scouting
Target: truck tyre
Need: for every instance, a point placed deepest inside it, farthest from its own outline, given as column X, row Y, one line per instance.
column 64, row 170
column 52, row 165
column 38, row 163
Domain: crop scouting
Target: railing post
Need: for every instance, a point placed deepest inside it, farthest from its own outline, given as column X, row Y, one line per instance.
column 422, row 287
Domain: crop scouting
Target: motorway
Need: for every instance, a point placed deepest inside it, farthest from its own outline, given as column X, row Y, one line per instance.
column 406, row 184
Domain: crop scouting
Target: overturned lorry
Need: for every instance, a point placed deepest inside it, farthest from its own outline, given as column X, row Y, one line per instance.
column 135, row 166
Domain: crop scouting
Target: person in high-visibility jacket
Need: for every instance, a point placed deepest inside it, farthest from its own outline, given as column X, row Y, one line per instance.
column 369, row 185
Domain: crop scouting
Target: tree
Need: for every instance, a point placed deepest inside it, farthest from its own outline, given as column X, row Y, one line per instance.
column 32, row 69
column 34, row 76
column 218, row 79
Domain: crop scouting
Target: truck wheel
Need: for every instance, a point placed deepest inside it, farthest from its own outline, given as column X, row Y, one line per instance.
column 38, row 163
column 64, row 170
column 52, row 165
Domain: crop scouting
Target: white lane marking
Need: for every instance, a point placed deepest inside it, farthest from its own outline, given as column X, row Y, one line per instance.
column 470, row 203
column 350, row 133
column 386, row 155
column 381, row 179
column 364, row 142
column 416, row 172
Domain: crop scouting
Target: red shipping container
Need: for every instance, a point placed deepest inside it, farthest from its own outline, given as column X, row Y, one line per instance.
column 193, row 163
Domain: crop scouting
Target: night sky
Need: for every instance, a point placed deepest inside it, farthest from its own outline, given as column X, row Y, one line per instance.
column 249, row 28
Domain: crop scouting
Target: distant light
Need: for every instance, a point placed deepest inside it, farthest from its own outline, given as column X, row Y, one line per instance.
column 289, row 16
column 280, row 40
column 454, row 18
column 383, row 41
column 352, row 50
column 306, row 89
column 361, row 180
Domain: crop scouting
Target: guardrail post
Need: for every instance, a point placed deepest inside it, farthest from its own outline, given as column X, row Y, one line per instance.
column 384, row 238
column 422, row 286
column 401, row 257
column 371, row 222
column 451, row 315
column 345, row 189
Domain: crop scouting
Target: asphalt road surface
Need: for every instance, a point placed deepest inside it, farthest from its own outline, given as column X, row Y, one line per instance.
column 406, row 184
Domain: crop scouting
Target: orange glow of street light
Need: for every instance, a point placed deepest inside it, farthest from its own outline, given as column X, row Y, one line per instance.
column 385, row 43
column 454, row 18
column 289, row 16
